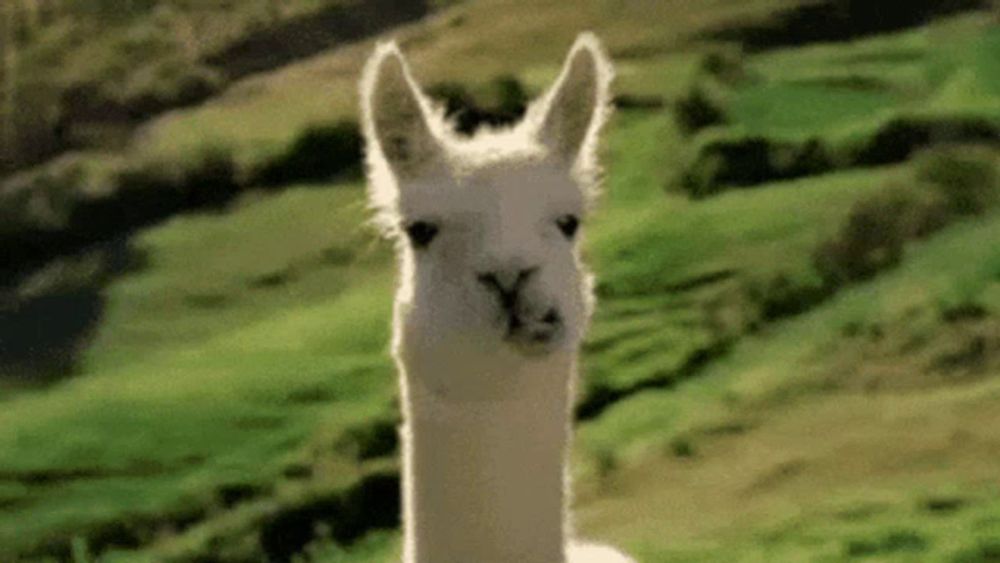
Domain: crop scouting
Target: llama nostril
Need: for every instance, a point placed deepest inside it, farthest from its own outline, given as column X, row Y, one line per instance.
column 552, row 317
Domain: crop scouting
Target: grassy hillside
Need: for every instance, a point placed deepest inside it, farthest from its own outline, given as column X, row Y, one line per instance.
column 235, row 402
column 83, row 74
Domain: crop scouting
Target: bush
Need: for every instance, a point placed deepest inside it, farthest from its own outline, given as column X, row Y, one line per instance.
column 966, row 177
column 870, row 241
column 167, row 84
column 747, row 161
column 782, row 296
column 839, row 20
column 949, row 182
column 319, row 153
column 506, row 102
column 899, row 138
column 698, row 109
column 725, row 64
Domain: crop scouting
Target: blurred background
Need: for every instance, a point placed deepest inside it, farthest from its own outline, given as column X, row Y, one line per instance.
column 796, row 354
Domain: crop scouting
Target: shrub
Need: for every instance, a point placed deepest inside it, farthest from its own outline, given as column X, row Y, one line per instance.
column 899, row 138
column 782, row 296
column 166, row 84
column 725, row 64
column 966, row 177
column 319, row 153
column 871, row 240
column 747, row 161
column 681, row 447
column 698, row 109
column 507, row 101
column 949, row 182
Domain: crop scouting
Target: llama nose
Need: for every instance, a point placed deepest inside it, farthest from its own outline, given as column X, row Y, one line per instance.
column 506, row 282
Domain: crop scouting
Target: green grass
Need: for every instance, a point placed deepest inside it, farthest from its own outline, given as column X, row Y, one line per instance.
column 254, row 339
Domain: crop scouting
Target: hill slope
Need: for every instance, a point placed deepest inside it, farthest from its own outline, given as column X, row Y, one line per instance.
column 235, row 402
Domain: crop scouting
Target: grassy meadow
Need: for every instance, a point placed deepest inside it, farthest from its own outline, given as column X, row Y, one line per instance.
column 795, row 355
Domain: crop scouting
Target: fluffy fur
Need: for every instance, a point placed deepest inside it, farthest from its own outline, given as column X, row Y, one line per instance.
column 489, row 315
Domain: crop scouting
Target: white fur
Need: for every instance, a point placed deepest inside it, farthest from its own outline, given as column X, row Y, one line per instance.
column 487, row 415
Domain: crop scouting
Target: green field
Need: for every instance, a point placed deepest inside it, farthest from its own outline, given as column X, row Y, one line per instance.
column 742, row 406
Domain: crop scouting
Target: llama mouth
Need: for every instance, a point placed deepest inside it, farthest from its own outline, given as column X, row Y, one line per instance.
column 536, row 336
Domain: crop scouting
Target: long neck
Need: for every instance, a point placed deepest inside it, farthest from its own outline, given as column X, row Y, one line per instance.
column 485, row 478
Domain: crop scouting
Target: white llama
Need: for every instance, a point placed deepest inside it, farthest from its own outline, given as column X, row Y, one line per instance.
column 490, row 310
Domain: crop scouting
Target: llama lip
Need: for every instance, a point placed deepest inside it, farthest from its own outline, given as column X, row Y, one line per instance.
column 534, row 336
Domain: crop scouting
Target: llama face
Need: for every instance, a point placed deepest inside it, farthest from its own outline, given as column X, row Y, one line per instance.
column 488, row 227
column 493, row 254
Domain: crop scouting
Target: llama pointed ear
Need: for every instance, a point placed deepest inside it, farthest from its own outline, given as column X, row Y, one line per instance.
column 396, row 115
column 575, row 109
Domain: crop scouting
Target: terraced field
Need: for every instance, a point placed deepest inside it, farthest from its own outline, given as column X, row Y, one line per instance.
column 794, row 356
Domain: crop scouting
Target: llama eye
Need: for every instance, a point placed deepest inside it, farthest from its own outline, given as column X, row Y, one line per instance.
column 421, row 233
column 568, row 224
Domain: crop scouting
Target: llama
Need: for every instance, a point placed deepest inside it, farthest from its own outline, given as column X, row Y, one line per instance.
column 490, row 309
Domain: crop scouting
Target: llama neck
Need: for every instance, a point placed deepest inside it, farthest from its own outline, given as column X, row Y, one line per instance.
column 485, row 478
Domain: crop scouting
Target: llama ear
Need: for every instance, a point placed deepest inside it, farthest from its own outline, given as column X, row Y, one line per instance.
column 576, row 107
column 396, row 115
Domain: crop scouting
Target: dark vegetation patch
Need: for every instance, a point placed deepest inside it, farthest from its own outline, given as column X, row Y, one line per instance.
column 153, row 74
column 83, row 199
column 344, row 517
column 782, row 296
column 273, row 279
column 682, row 447
column 726, row 64
column 746, row 161
column 372, row 439
column 93, row 106
column 987, row 550
column 282, row 530
column 131, row 532
column 45, row 477
column 503, row 103
column 900, row 138
column 943, row 504
column 896, row 541
column 704, row 105
column 229, row 495
column 309, row 34
column 311, row 395
column 850, row 82
column 840, row 20
column 950, row 182
column 597, row 396
column 319, row 153
column 48, row 317
column 699, row 109
column 636, row 101
column 67, row 206
column 753, row 160
column 904, row 354
column 964, row 312
column 693, row 283
column 870, row 240
column 970, row 351
column 297, row 471
column 967, row 177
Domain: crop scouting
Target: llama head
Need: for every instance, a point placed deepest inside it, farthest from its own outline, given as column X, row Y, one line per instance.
column 486, row 228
